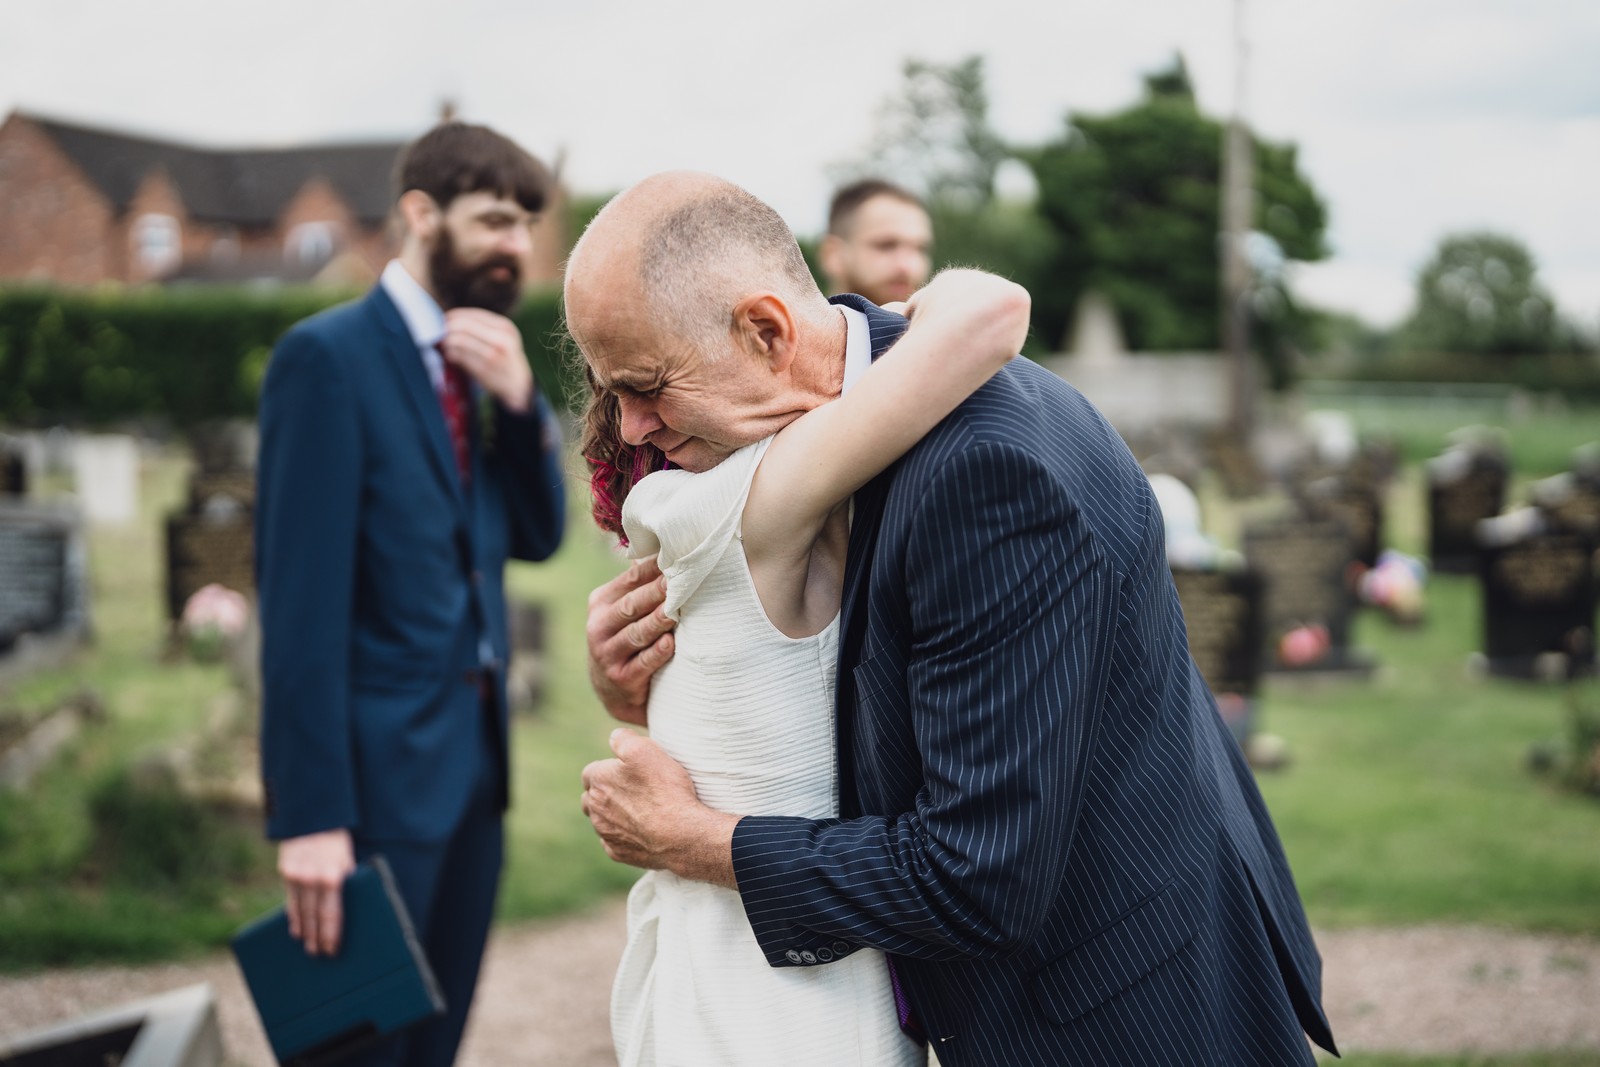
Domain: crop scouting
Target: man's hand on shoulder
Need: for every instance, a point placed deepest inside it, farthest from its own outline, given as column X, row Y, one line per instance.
column 630, row 638
column 314, row 868
column 489, row 348
column 644, row 807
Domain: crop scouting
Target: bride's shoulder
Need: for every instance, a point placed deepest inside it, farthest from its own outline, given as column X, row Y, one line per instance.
column 673, row 511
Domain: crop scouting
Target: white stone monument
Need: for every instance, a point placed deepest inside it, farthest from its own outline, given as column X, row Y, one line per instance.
column 106, row 471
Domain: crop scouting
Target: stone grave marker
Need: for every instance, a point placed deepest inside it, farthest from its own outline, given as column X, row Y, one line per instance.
column 1350, row 499
column 1539, row 595
column 1571, row 501
column 525, row 677
column 1305, row 566
column 44, row 585
column 106, row 471
column 216, row 546
column 1222, row 612
column 13, row 468
column 1466, row 485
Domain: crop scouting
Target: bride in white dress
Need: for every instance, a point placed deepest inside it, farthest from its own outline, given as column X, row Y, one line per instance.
column 753, row 551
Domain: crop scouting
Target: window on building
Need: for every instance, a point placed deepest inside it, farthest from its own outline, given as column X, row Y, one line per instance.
column 310, row 243
column 157, row 243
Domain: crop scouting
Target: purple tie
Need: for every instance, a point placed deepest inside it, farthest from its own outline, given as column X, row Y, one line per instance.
column 902, row 1006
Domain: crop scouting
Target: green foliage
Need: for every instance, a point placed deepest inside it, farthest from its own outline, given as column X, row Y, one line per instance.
column 1004, row 238
column 1479, row 294
column 178, row 356
column 935, row 137
column 150, row 835
column 1134, row 201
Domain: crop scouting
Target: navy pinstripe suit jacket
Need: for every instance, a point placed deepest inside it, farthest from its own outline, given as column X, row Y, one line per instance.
column 1044, row 819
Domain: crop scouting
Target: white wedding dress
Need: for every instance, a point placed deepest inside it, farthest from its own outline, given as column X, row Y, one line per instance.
column 749, row 713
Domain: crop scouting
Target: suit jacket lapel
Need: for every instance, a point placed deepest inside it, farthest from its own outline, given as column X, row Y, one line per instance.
column 886, row 328
column 402, row 351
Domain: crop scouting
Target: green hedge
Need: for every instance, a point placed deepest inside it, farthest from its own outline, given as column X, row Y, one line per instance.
column 180, row 356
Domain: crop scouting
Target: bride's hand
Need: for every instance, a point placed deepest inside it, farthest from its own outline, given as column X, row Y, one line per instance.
column 990, row 311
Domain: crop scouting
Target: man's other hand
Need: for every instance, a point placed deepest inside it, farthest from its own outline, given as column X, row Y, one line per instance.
column 644, row 807
column 489, row 348
column 630, row 638
column 314, row 868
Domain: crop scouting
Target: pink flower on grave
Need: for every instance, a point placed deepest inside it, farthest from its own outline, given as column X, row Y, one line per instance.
column 216, row 609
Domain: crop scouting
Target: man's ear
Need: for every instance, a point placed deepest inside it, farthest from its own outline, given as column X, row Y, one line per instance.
column 765, row 328
column 830, row 254
column 421, row 214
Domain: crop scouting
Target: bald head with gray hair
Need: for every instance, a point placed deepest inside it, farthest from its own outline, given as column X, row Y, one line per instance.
column 699, row 245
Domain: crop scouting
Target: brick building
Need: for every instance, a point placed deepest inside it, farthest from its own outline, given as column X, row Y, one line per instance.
column 81, row 207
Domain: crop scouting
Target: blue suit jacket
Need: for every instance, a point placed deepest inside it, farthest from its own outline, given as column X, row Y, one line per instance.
column 1045, row 820
column 380, row 579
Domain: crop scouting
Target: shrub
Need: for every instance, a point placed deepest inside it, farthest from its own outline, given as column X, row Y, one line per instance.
column 180, row 356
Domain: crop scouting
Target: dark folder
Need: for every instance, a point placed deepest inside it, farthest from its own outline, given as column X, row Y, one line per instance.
column 320, row 1010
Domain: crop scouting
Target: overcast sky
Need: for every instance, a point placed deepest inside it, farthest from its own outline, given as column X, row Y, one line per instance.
column 1415, row 118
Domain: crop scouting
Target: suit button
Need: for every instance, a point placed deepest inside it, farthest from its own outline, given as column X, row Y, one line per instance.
column 471, row 675
column 792, row 956
column 842, row 948
column 809, row 957
column 824, row 955
column 477, row 577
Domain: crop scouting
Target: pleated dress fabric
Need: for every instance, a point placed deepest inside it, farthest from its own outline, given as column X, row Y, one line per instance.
column 748, row 711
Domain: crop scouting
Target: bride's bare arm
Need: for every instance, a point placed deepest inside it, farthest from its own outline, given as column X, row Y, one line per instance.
column 965, row 326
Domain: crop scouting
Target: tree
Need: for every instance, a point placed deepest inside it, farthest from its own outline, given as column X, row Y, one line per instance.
column 1133, row 198
column 934, row 137
column 1479, row 294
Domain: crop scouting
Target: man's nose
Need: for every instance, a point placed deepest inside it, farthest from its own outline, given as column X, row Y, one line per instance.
column 516, row 241
column 639, row 420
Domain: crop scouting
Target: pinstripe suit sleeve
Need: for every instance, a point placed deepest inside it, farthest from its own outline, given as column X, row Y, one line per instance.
column 1009, row 602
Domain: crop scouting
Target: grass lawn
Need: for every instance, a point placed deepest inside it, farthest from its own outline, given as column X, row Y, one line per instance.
column 62, row 897
column 1406, row 802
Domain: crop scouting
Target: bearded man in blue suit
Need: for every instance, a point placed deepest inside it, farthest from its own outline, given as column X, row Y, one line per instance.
column 1043, row 820
column 405, row 455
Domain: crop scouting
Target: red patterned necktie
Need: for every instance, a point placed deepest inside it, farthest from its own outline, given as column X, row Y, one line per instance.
column 454, row 395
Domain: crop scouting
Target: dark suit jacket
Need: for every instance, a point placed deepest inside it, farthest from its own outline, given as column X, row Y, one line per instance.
column 1045, row 820
column 379, row 578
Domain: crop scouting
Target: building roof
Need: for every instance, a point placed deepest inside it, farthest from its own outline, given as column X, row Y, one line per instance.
column 245, row 187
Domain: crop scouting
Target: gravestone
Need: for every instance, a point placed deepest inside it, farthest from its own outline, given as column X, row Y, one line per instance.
column 1223, row 615
column 1305, row 565
column 1539, row 595
column 212, row 540
column 213, row 546
column 525, row 677
column 106, row 472
column 1571, row 501
column 1354, row 500
column 13, row 469
column 43, row 579
column 176, row 1029
column 1466, row 484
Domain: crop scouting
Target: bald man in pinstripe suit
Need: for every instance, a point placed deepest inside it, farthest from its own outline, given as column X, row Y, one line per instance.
column 1043, row 819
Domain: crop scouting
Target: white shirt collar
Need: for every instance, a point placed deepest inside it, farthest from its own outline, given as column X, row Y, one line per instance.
column 420, row 311
column 857, row 347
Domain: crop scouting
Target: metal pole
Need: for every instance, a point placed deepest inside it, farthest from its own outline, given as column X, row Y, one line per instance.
column 1238, row 216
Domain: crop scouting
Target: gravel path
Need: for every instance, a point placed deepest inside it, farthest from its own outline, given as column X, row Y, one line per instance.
column 542, row 1002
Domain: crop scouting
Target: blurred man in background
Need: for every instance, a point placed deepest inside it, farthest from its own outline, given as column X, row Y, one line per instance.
column 405, row 455
column 879, row 242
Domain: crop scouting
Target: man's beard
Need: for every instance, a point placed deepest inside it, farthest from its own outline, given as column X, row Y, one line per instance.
column 472, row 285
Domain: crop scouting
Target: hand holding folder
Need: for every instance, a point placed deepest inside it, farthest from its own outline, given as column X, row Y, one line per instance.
column 318, row 1010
